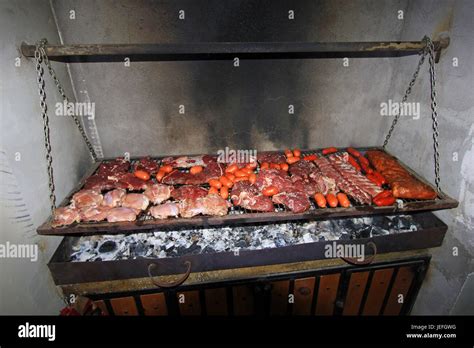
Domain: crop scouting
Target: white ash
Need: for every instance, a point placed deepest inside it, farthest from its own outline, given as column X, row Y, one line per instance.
column 252, row 237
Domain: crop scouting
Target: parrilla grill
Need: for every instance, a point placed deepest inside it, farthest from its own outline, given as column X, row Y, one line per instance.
column 244, row 204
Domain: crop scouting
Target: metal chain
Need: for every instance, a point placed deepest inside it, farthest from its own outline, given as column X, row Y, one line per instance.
column 78, row 123
column 44, row 114
column 434, row 107
column 405, row 97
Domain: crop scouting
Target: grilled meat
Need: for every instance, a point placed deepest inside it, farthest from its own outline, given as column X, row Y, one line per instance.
column 147, row 164
column 122, row 214
column 113, row 198
column 296, row 201
column 136, row 201
column 403, row 184
column 188, row 192
column 210, row 205
column 158, row 193
column 86, row 198
column 165, row 210
column 94, row 213
column 65, row 216
column 248, row 196
column 271, row 157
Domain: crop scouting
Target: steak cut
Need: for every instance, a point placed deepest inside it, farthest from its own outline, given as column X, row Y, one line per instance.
column 248, row 196
column 212, row 170
column 271, row 157
column 130, row 182
column 116, row 166
column 210, row 205
column 186, row 161
column 273, row 177
column 147, row 164
column 99, row 183
column 296, row 201
column 302, row 169
column 188, row 192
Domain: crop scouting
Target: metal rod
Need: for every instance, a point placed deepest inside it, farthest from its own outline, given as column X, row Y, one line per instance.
column 229, row 50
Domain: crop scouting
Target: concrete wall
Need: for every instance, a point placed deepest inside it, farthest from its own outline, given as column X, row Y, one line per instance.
column 26, row 287
column 247, row 107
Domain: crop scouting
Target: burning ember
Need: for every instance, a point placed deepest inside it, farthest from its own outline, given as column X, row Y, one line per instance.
column 214, row 240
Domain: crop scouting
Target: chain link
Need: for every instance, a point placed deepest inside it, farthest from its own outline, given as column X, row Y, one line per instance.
column 434, row 109
column 44, row 114
column 78, row 123
column 405, row 97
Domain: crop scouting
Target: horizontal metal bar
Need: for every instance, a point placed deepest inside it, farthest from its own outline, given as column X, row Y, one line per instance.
column 229, row 50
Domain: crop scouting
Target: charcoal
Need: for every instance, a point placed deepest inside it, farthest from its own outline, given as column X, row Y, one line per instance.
column 107, row 247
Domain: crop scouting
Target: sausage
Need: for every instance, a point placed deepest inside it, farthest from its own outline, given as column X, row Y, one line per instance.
column 366, row 168
column 241, row 178
column 292, row 160
column 240, row 173
column 284, row 166
column 251, row 165
column 343, row 200
column 332, row 200
column 253, row 178
column 380, row 177
column 372, row 178
column 264, row 165
column 354, row 152
column 247, row 170
column 160, row 175
column 270, row 191
column 385, row 201
column 196, row 169
column 288, row 153
column 275, row 166
column 213, row 190
column 364, row 160
column 384, row 194
column 354, row 163
column 224, row 192
column 230, row 176
column 320, row 200
column 232, row 168
column 329, row 150
column 215, row 183
column 141, row 174
column 167, row 169
column 226, row 182
column 297, row 153
column 310, row 158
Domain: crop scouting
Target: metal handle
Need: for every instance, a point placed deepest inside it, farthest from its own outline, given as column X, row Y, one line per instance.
column 367, row 261
column 172, row 284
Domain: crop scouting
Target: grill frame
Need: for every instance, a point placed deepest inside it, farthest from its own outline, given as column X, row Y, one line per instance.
column 443, row 201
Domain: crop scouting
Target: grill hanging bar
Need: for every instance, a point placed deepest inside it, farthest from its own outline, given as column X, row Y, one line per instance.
column 229, row 50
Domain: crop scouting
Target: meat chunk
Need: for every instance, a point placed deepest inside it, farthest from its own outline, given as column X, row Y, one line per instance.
column 86, row 198
column 118, row 165
column 302, row 169
column 403, row 184
column 271, row 157
column 147, row 164
column 122, row 214
column 130, row 182
column 308, row 178
column 65, row 216
column 136, row 201
column 185, row 161
column 158, row 193
column 296, row 201
column 340, row 162
column 165, row 210
column 210, row 205
column 212, row 170
column 99, row 183
column 273, row 177
column 248, row 196
column 113, row 198
column 94, row 213
column 188, row 192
